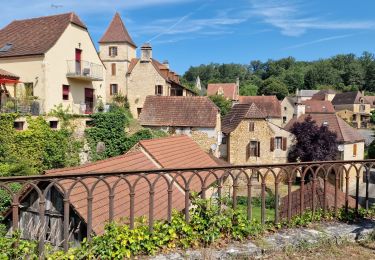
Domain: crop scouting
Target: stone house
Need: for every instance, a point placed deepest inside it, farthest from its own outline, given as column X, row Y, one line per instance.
column 146, row 76
column 116, row 50
column 56, row 61
column 324, row 94
column 197, row 117
column 305, row 94
column 228, row 90
column 146, row 155
column 288, row 111
column 351, row 142
column 268, row 105
column 251, row 138
column 353, row 107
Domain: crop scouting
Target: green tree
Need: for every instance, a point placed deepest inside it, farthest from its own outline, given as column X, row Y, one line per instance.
column 248, row 89
column 273, row 86
column 222, row 103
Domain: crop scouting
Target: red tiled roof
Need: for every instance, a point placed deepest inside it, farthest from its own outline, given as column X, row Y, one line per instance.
column 170, row 152
column 319, row 199
column 179, row 111
column 238, row 113
column 345, row 133
column 8, row 75
column 229, row 90
column 37, row 35
column 116, row 32
column 269, row 105
column 318, row 106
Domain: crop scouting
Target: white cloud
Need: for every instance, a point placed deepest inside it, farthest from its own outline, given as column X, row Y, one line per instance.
column 326, row 39
column 293, row 19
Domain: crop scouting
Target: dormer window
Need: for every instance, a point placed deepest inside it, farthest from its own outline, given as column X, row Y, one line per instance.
column 325, row 123
column 6, row 47
column 112, row 51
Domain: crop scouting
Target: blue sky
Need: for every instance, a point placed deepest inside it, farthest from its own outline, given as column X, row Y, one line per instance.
column 193, row 32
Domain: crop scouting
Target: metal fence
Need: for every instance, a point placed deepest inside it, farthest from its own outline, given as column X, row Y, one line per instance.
column 62, row 209
column 33, row 107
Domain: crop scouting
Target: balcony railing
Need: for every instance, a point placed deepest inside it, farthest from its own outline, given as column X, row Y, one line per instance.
column 30, row 106
column 84, row 70
column 101, row 197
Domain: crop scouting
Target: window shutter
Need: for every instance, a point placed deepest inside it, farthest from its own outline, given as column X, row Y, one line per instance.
column 258, row 149
column 113, row 69
column 156, row 90
column 284, row 144
column 354, row 149
column 272, row 144
column 248, row 151
column 110, row 90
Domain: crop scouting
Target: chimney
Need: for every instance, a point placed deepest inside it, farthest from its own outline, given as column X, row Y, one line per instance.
column 238, row 87
column 166, row 64
column 146, row 52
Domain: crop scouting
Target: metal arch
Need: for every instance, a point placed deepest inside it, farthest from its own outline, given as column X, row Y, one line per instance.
column 75, row 182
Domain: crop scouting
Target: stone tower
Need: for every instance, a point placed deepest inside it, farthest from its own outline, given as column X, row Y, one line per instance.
column 116, row 50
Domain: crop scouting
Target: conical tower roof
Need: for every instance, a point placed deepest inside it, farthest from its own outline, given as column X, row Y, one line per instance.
column 116, row 32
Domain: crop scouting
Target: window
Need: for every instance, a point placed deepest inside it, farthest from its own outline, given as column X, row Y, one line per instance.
column 18, row 125
column 139, row 111
column 159, row 90
column 251, row 126
column 224, row 139
column 362, row 108
column 113, row 51
column 89, row 123
column 253, row 149
column 278, row 142
column 354, row 150
column 53, row 124
column 285, row 108
column 113, row 66
column 284, row 119
column 325, row 123
column 65, row 90
column 29, row 89
column 113, row 89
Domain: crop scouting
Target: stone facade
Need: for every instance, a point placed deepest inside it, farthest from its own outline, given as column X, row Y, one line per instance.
column 287, row 111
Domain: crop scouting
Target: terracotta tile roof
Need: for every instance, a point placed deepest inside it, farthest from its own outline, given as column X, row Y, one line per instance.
column 345, row 98
column 170, row 152
column 308, row 198
column 269, row 105
column 7, row 74
column 228, row 90
column 116, row 32
column 318, row 106
column 179, row 111
column 322, row 94
column 35, row 36
column 237, row 114
column 345, row 133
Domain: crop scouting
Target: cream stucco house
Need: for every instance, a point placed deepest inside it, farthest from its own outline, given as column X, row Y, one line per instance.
column 56, row 60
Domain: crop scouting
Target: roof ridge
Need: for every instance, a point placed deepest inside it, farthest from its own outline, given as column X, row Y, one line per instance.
column 117, row 32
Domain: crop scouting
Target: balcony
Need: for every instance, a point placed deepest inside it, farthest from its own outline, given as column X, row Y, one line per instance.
column 24, row 106
column 84, row 70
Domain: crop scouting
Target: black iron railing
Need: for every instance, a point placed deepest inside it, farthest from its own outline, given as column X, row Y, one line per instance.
column 64, row 208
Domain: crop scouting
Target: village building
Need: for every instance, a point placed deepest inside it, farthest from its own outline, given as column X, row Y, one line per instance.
column 251, row 138
column 228, row 90
column 146, row 155
column 305, row 94
column 56, row 61
column 268, row 105
column 324, row 94
column 288, row 111
column 197, row 117
column 353, row 107
column 8, row 83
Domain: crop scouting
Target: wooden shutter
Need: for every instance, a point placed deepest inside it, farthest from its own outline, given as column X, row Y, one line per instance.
column 284, row 143
column 251, row 126
column 110, row 90
column 113, row 69
column 272, row 144
column 354, row 150
column 156, row 89
column 258, row 149
column 248, row 151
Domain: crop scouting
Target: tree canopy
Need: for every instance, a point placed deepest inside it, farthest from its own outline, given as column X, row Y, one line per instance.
column 313, row 142
column 341, row 72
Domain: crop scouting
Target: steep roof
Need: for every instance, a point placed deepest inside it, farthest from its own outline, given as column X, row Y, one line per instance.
column 169, row 152
column 322, row 94
column 371, row 100
column 228, row 90
column 35, row 36
column 345, row 133
column 269, row 105
column 318, row 106
column 238, row 113
column 116, row 32
column 353, row 97
column 179, row 111
column 7, row 74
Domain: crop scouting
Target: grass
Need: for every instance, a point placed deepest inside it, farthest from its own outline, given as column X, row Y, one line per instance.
column 257, row 212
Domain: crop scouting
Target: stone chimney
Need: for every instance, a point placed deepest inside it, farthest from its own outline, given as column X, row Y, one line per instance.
column 146, row 52
column 166, row 64
column 238, row 87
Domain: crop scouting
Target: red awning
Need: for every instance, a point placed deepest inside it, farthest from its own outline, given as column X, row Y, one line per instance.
column 9, row 81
